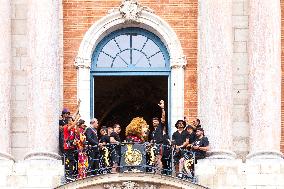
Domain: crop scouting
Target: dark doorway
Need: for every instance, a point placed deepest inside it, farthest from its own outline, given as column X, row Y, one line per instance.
column 118, row 99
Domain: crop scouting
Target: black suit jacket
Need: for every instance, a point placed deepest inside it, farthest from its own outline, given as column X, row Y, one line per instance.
column 91, row 136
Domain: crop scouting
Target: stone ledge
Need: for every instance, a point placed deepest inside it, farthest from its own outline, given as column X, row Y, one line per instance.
column 158, row 181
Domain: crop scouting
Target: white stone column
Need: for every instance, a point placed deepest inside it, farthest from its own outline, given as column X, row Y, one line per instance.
column 5, row 79
column 176, row 92
column 215, row 75
column 265, row 78
column 83, row 87
column 43, row 79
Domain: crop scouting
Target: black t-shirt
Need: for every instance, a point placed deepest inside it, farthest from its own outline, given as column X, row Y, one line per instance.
column 105, row 139
column 63, row 122
column 115, row 146
column 180, row 138
column 191, row 137
column 203, row 142
column 157, row 135
column 115, row 136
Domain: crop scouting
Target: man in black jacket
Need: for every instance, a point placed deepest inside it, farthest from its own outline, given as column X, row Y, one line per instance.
column 93, row 141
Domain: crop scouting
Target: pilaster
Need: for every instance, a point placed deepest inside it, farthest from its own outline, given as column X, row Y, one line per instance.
column 5, row 80
column 215, row 76
column 265, row 79
column 43, row 79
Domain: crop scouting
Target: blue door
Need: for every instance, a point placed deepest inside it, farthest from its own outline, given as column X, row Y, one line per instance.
column 133, row 53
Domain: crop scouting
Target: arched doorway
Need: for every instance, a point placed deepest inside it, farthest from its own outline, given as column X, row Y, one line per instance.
column 130, row 73
column 149, row 21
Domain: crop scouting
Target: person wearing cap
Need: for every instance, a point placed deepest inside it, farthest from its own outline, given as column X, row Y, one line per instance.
column 201, row 145
column 64, row 117
column 156, row 137
column 64, row 120
column 180, row 141
column 70, row 149
column 93, row 141
column 65, row 114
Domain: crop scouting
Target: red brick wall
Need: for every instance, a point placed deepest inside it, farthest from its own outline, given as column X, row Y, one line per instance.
column 79, row 15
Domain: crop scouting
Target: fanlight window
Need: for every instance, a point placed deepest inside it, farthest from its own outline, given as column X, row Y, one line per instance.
column 131, row 48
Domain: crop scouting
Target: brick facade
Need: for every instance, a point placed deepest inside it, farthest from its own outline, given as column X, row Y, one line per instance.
column 80, row 15
column 182, row 16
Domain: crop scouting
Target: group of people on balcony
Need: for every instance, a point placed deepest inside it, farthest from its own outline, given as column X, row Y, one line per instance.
column 83, row 147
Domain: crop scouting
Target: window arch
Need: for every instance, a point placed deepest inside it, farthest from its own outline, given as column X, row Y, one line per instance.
column 130, row 49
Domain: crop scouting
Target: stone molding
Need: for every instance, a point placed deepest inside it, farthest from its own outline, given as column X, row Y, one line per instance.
column 146, row 20
column 114, row 20
column 221, row 154
column 42, row 156
column 265, row 155
column 136, row 180
column 6, row 156
column 129, row 184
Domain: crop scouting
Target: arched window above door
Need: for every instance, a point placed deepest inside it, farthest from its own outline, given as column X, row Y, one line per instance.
column 130, row 49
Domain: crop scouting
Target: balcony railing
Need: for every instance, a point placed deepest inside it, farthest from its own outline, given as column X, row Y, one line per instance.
column 129, row 157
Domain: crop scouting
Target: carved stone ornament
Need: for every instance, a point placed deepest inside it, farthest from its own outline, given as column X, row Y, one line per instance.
column 178, row 63
column 131, row 10
column 82, row 63
column 129, row 185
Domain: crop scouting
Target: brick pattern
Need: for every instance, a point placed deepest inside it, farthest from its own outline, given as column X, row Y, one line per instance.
column 79, row 15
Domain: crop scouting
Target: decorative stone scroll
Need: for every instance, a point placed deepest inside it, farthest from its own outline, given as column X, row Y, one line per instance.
column 129, row 185
column 131, row 10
